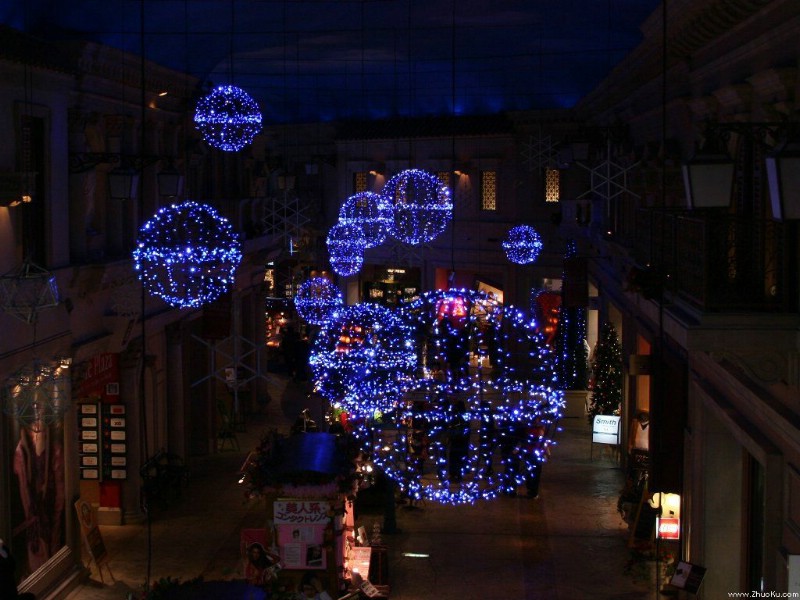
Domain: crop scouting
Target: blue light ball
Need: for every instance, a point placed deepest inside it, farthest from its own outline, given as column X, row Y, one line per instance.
column 346, row 244
column 317, row 299
column 368, row 211
column 420, row 206
column 362, row 357
column 187, row 254
column 228, row 118
column 522, row 245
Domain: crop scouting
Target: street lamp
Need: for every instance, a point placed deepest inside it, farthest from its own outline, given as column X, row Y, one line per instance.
column 783, row 177
column 123, row 183
column 708, row 176
column 170, row 182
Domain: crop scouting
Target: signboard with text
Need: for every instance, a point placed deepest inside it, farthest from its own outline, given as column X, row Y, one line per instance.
column 300, row 527
column 605, row 429
column 668, row 528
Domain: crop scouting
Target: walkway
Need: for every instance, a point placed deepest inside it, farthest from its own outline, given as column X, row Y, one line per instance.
column 569, row 544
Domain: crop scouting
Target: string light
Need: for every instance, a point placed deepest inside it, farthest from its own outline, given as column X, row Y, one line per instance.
column 346, row 244
column 368, row 211
column 457, row 446
column 187, row 254
column 420, row 206
column 522, row 245
column 228, row 118
column 317, row 299
column 362, row 357
column 414, row 392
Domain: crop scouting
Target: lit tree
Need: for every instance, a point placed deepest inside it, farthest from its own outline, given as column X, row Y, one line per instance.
column 571, row 355
column 607, row 372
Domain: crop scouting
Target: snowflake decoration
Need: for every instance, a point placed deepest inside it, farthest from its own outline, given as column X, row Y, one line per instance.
column 609, row 179
column 284, row 219
column 407, row 255
column 538, row 152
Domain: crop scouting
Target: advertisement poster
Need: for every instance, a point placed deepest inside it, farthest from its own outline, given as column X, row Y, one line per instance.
column 259, row 564
column 300, row 527
column 37, row 495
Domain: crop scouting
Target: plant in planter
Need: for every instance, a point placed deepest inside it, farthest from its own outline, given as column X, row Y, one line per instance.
column 641, row 563
column 164, row 588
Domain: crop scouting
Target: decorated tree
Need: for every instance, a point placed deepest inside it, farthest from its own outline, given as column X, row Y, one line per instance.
column 607, row 374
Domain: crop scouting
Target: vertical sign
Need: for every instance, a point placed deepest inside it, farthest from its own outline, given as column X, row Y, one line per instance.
column 115, row 445
column 89, row 440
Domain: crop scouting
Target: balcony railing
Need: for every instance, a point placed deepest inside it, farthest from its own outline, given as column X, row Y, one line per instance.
column 717, row 261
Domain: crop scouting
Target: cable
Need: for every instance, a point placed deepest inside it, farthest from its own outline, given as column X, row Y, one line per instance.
column 142, row 373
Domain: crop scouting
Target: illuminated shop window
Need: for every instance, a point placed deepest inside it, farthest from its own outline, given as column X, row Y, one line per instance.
column 360, row 182
column 488, row 190
column 552, row 185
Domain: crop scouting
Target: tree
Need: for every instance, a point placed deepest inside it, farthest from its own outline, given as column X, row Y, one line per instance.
column 607, row 373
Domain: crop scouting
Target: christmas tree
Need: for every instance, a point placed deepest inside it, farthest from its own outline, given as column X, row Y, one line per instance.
column 607, row 374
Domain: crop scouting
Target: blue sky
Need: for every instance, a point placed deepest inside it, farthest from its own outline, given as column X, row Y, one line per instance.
column 309, row 60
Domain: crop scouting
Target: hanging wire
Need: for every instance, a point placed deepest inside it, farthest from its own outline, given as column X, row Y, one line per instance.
column 142, row 317
column 230, row 49
column 452, row 175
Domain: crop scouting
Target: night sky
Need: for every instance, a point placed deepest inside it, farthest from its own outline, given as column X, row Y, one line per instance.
column 323, row 60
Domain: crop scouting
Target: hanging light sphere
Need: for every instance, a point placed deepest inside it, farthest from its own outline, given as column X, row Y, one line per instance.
column 522, row 245
column 368, row 211
column 228, row 118
column 317, row 299
column 346, row 244
column 457, row 446
column 38, row 394
column 366, row 348
column 187, row 254
column 488, row 389
column 420, row 206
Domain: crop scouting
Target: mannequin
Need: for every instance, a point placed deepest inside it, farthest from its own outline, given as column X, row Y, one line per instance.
column 640, row 436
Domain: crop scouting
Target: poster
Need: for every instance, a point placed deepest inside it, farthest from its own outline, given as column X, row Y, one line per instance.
column 37, row 494
column 300, row 527
column 260, row 564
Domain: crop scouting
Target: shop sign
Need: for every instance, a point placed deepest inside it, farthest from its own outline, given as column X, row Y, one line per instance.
column 605, row 429
column 300, row 511
column 98, row 377
column 668, row 528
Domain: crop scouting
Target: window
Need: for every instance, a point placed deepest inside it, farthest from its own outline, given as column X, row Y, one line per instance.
column 552, row 187
column 359, row 181
column 488, row 190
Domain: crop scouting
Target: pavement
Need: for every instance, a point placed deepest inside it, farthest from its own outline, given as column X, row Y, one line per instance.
column 569, row 544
